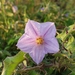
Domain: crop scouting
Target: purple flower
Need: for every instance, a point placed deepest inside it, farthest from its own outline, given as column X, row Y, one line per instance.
column 15, row 9
column 38, row 40
column 42, row 9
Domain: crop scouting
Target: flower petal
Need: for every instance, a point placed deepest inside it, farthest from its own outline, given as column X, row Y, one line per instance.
column 51, row 46
column 37, row 53
column 48, row 29
column 40, row 29
column 31, row 29
column 25, row 43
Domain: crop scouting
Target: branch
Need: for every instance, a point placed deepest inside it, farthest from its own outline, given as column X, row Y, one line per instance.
column 34, row 68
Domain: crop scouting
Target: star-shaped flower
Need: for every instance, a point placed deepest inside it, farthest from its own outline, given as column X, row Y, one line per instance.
column 38, row 40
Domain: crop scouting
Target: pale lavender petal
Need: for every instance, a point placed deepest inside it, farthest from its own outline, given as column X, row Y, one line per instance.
column 40, row 29
column 37, row 26
column 25, row 43
column 51, row 46
column 31, row 29
column 48, row 30
column 37, row 53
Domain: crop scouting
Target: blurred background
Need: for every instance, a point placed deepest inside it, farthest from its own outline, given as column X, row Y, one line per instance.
column 15, row 13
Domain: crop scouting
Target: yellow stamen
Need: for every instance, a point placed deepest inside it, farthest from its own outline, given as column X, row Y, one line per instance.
column 39, row 41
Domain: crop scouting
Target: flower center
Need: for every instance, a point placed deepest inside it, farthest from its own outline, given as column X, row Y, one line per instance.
column 39, row 41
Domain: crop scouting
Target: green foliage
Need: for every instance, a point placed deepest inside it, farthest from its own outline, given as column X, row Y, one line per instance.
column 10, row 63
column 13, row 17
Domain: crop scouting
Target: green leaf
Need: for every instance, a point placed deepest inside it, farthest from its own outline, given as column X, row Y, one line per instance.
column 10, row 63
column 63, row 35
column 72, row 73
column 33, row 72
column 0, row 64
column 9, row 14
column 71, row 44
column 50, row 70
column 66, row 33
